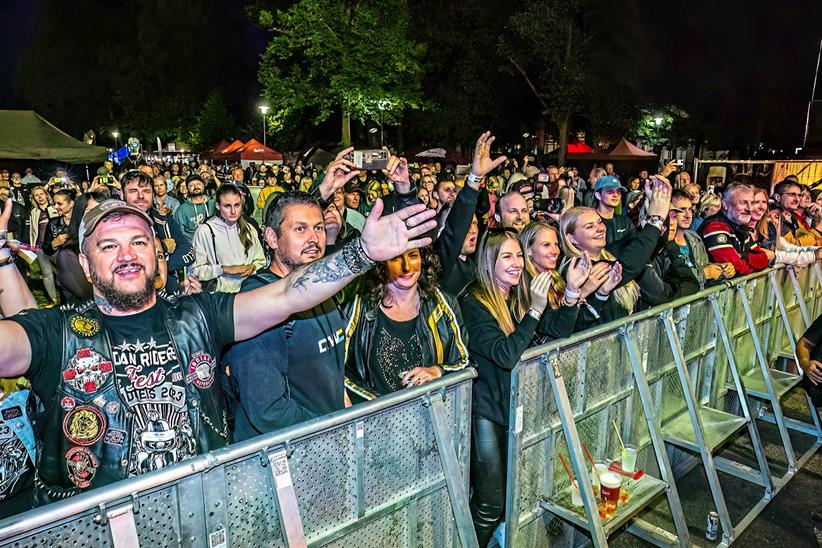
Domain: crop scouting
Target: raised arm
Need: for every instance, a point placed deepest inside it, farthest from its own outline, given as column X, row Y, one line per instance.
column 383, row 238
column 15, row 351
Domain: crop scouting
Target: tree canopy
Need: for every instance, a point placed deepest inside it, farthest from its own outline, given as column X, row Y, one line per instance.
column 329, row 56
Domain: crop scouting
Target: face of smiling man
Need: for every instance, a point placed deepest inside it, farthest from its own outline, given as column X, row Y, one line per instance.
column 120, row 258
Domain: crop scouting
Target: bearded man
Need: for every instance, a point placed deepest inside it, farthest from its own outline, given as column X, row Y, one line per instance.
column 140, row 367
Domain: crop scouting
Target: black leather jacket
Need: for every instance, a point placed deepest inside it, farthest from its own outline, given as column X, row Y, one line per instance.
column 109, row 460
column 439, row 328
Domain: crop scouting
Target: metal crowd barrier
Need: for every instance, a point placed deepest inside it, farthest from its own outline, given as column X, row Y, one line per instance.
column 393, row 471
column 677, row 381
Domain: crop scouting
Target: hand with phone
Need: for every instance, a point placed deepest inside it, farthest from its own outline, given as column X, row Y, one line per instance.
column 338, row 172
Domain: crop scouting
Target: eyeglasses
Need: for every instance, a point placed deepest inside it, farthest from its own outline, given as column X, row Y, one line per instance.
column 794, row 194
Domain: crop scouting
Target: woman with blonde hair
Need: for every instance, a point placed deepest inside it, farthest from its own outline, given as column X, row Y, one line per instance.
column 583, row 232
column 42, row 211
column 540, row 244
column 501, row 314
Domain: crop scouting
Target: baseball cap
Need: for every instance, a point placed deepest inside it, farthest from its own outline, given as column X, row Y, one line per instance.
column 608, row 182
column 95, row 215
column 350, row 187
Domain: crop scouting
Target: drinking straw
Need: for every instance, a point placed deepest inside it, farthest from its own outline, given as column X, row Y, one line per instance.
column 590, row 458
column 570, row 475
column 617, row 433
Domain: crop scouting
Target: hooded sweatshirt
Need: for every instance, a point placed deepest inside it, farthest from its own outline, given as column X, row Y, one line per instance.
column 217, row 244
column 190, row 215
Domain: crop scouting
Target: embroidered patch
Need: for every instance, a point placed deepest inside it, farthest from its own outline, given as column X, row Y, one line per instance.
column 83, row 326
column 115, row 437
column 99, row 401
column 12, row 413
column 84, row 425
column 87, row 370
column 82, row 465
column 112, row 408
column 722, row 238
column 201, row 370
column 67, row 403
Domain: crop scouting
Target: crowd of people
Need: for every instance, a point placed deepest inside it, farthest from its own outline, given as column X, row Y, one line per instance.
column 194, row 313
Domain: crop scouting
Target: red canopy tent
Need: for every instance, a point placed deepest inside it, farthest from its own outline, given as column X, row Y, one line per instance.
column 210, row 151
column 227, row 152
column 626, row 150
column 255, row 151
column 579, row 148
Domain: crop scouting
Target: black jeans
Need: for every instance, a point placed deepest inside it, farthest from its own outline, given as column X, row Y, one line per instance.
column 489, row 457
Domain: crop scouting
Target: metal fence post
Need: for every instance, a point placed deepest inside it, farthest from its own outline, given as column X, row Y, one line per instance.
column 453, row 474
column 699, row 430
column 763, row 366
column 800, row 299
column 578, row 463
column 652, row 420
column 764, row 470
column 286, row 498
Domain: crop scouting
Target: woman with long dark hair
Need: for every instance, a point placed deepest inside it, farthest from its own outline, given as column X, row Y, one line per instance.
column 226, row 247
column 403, row 331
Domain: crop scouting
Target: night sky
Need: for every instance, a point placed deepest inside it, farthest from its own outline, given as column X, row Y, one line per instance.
column 747, row 65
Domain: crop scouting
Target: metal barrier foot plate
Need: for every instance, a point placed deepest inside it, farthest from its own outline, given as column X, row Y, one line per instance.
column 718, row 427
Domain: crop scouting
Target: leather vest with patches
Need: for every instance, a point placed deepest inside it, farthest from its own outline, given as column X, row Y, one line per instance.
column 90, row 409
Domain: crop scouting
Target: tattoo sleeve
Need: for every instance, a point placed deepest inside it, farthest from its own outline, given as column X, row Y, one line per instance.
column 351, row 260
column 331, row 269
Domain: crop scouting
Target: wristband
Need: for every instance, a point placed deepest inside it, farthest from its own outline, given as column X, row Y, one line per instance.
column 4, row 234
column 534, row 313
column 600, row 296
column 355, row 257
column 571, row 295
column 7, row 261
column 474, row 179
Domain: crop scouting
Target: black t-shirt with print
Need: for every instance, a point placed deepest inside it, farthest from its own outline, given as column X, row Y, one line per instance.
column 395, row 351
column 150, row 380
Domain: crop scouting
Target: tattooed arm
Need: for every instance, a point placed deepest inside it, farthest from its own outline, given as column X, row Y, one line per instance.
column 382, row 238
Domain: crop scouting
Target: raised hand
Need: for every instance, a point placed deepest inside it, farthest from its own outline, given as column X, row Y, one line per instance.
column 539, row 291
column 577, row 273
column 598, row 276
column 397, row 173
column 614, row 277
column 338, row 172
column 483, row 164
column 386, row 237
column 660, row 198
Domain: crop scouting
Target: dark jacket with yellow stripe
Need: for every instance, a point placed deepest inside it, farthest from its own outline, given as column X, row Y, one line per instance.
column 439, row 328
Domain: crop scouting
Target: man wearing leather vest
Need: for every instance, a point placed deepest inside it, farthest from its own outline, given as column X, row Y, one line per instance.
column 129, row 381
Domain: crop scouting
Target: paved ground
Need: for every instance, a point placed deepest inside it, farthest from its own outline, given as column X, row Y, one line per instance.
column 787, row 520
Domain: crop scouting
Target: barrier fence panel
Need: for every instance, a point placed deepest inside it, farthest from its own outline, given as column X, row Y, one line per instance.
column 392, row 472
column 695, row 374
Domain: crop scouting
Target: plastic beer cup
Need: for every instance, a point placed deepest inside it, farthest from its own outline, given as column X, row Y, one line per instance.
column 610, row 483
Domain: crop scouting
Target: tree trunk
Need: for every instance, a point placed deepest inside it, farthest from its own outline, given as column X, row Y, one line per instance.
column 563, row 124
column 346, row 129
column 540, row 135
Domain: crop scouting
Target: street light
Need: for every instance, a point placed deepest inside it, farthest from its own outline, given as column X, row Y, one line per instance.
column 115, row 134
column 658, row 120
column 264, row 110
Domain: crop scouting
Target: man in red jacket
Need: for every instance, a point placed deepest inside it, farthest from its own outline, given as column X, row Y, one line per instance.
column 727, row 237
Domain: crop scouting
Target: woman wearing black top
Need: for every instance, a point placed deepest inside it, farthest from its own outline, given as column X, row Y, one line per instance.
column 583, row 231
column 58, row 227
column 501, row 315
column 403, row 331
